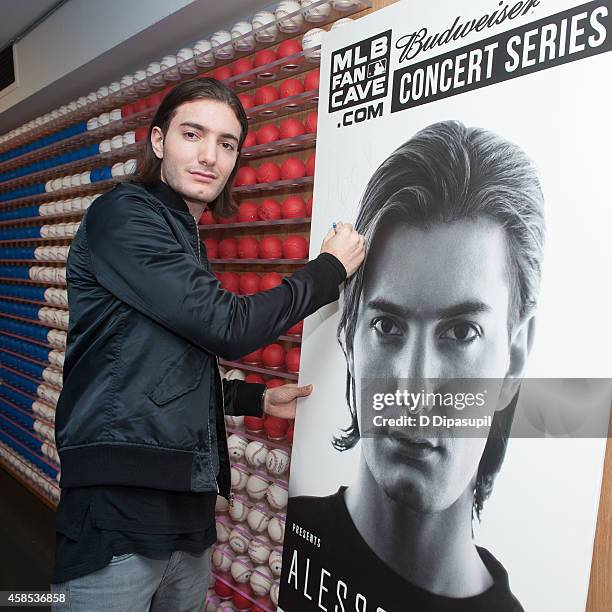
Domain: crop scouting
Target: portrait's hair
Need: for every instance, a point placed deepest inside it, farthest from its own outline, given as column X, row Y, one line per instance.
column 449, row 172
column 204, row 88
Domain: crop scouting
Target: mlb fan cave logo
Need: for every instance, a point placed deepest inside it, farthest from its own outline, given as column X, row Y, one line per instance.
column 359, row 77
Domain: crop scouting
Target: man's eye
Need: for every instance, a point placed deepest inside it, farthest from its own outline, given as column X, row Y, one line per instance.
column 190, row 134
column 462, row 332
column 228, row 146
column 385, row 326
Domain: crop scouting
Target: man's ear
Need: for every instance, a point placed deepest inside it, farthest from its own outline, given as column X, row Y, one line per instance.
column 157, row 142
column 520, row 347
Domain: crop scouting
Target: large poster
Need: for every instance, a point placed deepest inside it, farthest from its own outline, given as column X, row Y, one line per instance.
column 450, row 456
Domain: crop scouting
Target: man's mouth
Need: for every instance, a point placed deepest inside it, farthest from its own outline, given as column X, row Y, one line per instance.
column 205, row 177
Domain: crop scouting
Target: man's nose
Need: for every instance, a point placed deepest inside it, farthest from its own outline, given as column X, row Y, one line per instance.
column 207, row 152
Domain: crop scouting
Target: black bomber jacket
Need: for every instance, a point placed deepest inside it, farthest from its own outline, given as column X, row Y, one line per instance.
column 148, row 320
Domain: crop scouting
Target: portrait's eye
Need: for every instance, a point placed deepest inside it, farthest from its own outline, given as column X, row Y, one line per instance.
column 462, row 332
column 228, row 146
column 385, row 326
column 190, row 135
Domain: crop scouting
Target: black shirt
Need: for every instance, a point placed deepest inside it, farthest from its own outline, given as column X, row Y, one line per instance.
column 326, row 557
column 94, row 523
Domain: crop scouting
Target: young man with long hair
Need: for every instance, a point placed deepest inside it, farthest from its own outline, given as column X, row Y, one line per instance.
column 140, row 420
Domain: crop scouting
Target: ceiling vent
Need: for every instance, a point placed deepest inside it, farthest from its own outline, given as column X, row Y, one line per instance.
column 7, row 67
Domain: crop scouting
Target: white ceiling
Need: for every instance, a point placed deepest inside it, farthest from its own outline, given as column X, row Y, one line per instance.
column 19, row 14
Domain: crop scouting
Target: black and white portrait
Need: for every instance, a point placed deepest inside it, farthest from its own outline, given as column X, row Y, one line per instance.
column 454, row 221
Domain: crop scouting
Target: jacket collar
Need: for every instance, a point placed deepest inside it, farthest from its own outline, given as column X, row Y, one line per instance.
column 167, row 196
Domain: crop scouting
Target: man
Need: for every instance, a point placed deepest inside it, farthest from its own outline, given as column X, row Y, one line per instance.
column 140, row 421
column 454, row 225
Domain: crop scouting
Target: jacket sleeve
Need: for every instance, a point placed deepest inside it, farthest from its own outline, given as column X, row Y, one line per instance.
column 242, row 398
column 135, row 256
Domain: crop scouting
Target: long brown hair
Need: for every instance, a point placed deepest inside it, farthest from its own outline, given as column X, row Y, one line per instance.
column 205, row 88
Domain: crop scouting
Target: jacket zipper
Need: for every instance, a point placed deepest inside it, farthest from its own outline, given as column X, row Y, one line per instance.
column 231, row 493
column 197, row 235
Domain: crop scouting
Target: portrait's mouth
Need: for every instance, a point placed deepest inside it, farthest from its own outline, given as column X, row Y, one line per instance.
column 414, row 447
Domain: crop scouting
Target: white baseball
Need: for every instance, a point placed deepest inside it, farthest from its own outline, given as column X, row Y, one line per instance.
column 277, row 461
column 168, row 63
column 277, row 496
column 311, row 43
column 257, row 486
column 221, row 505
column 259, row 550
column 239, row 540
column 344, row 5
column 234, row 421
column 222, row 557
column 218, row 42
column 276, row 529
column 234, row 374
column 202, row 53
column 130, row 166
column 341, row 23
column 256, row 453
column 236, row 445
column 239, row 476
column 212, row 602
column 243, row 28
column 274, row 592
column 258, row 519
column 261, row 580
column 223, row 531
column 275, row 561
column 289, row 24
column 239, row 509
column 316, row 14
column 241, row 569
column 262, row 19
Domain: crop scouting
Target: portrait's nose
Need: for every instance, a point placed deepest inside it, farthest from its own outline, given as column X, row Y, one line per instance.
column 419, row 364
column 207, row 152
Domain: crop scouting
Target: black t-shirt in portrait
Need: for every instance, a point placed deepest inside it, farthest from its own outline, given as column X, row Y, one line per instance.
column 328, row 566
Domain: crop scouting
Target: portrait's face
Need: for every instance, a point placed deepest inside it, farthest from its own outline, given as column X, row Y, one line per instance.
column 434, row 307
column 199, row 150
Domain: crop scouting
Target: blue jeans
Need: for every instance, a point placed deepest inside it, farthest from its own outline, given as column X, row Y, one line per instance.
column 134, row 583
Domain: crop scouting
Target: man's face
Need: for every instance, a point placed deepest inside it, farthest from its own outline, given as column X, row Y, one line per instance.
column 434, row 307
column 199, row 150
